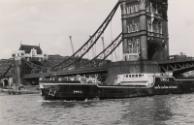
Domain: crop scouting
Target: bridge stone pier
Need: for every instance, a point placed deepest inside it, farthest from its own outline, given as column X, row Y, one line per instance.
column 18, row 73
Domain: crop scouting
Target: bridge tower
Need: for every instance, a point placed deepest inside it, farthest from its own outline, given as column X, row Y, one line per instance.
column 145, row 30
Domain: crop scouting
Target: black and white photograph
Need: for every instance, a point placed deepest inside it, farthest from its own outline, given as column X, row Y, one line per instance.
column 96, row 62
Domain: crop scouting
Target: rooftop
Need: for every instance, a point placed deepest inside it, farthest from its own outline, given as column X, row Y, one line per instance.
column 28, row 48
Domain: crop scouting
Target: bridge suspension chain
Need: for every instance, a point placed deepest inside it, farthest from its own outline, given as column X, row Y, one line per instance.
column 35, row 66
column 77, row 56
column 104, row 54
column 6, row 71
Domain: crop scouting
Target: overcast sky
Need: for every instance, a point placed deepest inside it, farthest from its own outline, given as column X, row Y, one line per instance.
column 50, row 22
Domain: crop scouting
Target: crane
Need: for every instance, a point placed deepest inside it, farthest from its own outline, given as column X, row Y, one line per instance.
column 71, row 42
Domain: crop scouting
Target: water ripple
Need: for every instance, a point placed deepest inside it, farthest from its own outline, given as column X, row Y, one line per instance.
column 156, row 110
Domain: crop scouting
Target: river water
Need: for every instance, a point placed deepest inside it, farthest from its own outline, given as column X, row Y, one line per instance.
column 156, row 110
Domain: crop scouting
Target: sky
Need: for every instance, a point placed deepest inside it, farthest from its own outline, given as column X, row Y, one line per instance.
column 51, row 22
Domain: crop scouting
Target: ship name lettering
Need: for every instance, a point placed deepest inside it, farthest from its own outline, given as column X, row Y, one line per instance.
column 165, row 87
column 77, row 92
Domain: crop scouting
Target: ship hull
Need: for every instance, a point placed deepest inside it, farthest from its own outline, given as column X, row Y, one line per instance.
column 116, row 92
column 177, row 86
column 69, row 92
column 72, row 92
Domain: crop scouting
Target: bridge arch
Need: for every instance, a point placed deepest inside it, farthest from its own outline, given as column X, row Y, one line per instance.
column 183, row 70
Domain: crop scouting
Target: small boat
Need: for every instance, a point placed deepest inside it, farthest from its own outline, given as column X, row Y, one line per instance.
column 17, row 91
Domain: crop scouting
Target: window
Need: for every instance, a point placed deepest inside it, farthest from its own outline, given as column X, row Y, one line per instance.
column 149, row 25
column 136, row 27
column 148, row 8
column 133, row 25
column 131, row 28
column 138, row 45
column 130, row 46
column 160, row 27
column 128, row 29
column 136, row 8
column 128, row 10
column 134, row 45
column 33, row 52
column 132, row 8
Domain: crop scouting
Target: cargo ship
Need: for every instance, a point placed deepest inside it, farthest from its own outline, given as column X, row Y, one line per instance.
column 126, row 86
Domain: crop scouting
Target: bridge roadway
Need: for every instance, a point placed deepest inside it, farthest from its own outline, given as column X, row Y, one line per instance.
column 82, row 70
column 176, row 66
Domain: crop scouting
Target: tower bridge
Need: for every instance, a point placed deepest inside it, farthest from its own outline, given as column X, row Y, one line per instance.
column 144, row 40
